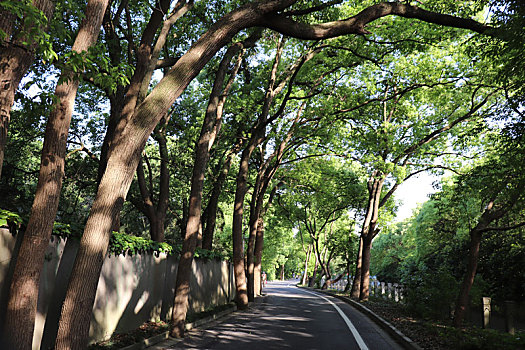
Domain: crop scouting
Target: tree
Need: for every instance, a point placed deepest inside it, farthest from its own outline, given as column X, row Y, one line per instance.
column 318, row 197
column 470, row 222
column 125, row 152
column 23, row 28
column 402, row 133
column 257, row 136
column 501, row 185
column 21, row 309
column 205, row 142
column 156, row 213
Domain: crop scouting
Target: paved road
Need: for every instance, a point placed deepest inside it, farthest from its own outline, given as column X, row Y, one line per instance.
column 291, row 318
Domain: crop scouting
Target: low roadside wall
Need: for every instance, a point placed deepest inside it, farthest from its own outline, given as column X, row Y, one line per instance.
column 131, row 289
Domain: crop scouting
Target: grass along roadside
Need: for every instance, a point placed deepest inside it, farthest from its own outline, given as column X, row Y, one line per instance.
column 440, row 335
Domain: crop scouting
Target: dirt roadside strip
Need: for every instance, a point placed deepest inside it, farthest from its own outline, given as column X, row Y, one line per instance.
column 402, row 339
column 165, row 336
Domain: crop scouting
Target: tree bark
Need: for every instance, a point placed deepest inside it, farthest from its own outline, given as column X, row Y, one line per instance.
column 202, row 154
column 259, row 245
column 156, row 213
column 365, row 268
column 215, row 109
column 123, row 111
column 356, row 284
column 16, row 56
column 253, row 226
column 375, row 186
column 258, row 135
column 314, row 274
column 241, row 297
column 256, row 236
column 24, row 288
column 463, row 296
column 305, row 275
column 490, row 214
column 14, row 63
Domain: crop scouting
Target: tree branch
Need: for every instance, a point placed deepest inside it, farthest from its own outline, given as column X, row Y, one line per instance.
column 357, row 23
column 502, row 228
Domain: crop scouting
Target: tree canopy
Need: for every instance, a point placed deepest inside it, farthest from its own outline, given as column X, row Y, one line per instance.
column 236, row 125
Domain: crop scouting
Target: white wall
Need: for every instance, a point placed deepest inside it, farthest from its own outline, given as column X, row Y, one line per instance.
column 131, row 289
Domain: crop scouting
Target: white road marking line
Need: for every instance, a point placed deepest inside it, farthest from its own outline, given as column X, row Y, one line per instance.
column 349, row 323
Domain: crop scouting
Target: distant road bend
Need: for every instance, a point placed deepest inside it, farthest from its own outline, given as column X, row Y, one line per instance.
column 292, row 318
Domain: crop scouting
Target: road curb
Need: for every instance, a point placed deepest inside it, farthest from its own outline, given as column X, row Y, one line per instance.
column 146, row 343
column 402, row 339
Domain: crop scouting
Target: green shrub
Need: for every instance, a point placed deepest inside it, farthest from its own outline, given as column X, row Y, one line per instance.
column 430, row 294
column 119, row 243
column 11, row 220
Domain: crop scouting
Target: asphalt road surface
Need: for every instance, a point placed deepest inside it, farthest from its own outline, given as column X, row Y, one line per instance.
column 291, row 318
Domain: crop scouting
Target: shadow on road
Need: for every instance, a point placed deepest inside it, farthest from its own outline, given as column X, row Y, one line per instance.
column 285, row 319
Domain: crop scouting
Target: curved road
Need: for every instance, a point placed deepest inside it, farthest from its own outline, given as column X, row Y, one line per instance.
column 290, row 318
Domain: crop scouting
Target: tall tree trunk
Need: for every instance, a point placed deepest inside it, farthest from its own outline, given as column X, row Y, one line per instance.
column 365, row 268
column 116, row 97
column 202, row 154
column 259, row 245
column 16, row 56
column 182, row 286
column 253, row 224
column 125, row 100
column 264, row 176
column 375, row 188
column 258, row 135
column 314, row 274
column 122, row 112
column 164, row 182
column 490, row 214
column 184, row 220
column 463, row 297
column 319, row 257
column 14, row 63
column 356, row 284
column 238, row 209
column 266, row 172
column 147, row 207
column 305, row 275
column 156, row 213
column 259, row 241
column 256, row 236
column 348, row 272
column 216, row 107
column 22, row 302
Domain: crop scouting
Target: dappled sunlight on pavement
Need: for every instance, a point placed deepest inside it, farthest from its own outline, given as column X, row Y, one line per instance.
column 284, row 318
